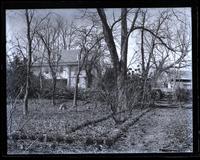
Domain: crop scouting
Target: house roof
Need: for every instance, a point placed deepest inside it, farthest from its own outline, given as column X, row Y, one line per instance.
column 69, row 56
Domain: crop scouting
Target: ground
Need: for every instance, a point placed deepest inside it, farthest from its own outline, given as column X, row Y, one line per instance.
column 160, row 129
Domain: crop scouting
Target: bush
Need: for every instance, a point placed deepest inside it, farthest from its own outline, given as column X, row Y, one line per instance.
column 107, row 90
column 34, row 86
column 59, row 94
column 90, row 94
column 15, row 77
column 104, row 90
column 107, row 81
column 183, row 94
column 156, row 94
column 46, row 93
column 64, row 93
column 137, row 93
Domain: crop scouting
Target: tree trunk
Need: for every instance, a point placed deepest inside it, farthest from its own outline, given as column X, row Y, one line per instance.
column 40, row 74
column 25, row 109
column 121, row 99
column 53, row 74
column 54, row 91
column 122, row 71
column 89, row 78
column 76, row 91
column 144, row 88
column 28, row 23
column 109, row 39
column 26, row 96
column 142, row 52
column 77, row 82
column 41, row 81
column 124, row 46
column 54, row 79
column 120, row 67
column 143, row 68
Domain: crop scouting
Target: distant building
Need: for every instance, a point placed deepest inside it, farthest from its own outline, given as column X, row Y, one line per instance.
column 66, row 70
column 182, row 79
column 174, row 79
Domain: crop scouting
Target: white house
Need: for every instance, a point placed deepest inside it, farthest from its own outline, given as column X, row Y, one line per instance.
column 66, row 69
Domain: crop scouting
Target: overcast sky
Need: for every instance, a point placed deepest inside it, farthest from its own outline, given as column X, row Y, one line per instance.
column 15, row 21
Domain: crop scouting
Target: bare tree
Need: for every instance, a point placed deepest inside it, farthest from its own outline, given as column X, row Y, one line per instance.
column 120, row 64
column 25, row 46
column 148, row 44
column 29, row 17
column 40, row 49
column 77, row 77
column 49, row 33
column 164, row 59
column 86, row 41
column 93, row 64
column 156, row 57
column 67, row 33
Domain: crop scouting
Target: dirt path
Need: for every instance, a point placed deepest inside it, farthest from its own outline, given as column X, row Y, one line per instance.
column 162, row 130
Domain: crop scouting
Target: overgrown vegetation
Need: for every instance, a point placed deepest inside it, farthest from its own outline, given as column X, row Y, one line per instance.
column 183, row 95
column 16, row 73
column 117, row 94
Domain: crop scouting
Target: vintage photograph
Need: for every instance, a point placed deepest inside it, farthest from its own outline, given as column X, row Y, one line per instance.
column 99, row 80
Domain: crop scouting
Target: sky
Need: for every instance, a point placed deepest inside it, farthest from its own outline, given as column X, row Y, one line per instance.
column 15, row 22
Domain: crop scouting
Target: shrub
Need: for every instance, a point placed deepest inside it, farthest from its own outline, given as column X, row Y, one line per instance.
column 107, row 81
column 104, row 90
column 34, row 86
column 107, row 91
column 90, row 94
column 183, row 94
column 46, row 93
column 69, row 140
column 15, row 77
column 156, row 94
column 59, row 94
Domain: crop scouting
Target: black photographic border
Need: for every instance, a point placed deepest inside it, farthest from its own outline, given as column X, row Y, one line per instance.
column 105, row 4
